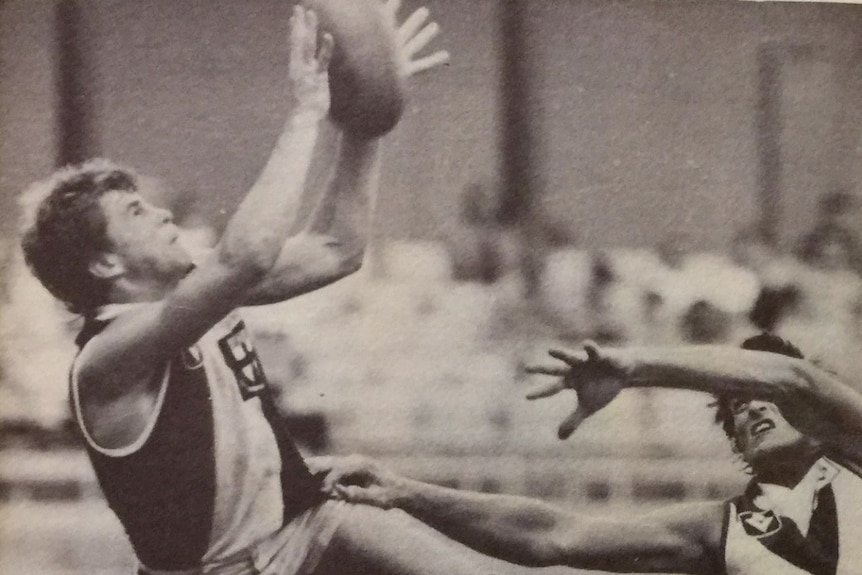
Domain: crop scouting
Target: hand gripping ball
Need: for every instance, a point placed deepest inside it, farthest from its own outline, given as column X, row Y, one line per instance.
column 367, row 91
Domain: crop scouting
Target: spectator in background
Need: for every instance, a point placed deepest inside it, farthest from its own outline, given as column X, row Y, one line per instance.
column 833, row 242
column 752, row 249
column 480, row 247
column 599, row 300
column 484, row 247
column 813, row 296
column 777, row 295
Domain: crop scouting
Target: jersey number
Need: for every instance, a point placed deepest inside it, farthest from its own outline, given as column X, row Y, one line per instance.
column 243, row 361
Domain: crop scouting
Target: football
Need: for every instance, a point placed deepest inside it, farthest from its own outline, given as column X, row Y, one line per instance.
column 367, row 91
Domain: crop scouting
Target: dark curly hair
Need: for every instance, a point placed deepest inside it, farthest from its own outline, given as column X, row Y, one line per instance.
column 764, row 342
column 66, row 229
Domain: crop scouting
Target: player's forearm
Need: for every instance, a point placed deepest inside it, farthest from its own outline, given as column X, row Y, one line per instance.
column 727, row 370
column 516, row 529
column 345, row 211
column 712, row 369
column 333, row 244
column 256, row 233
column 722, row 369
column 532, row 533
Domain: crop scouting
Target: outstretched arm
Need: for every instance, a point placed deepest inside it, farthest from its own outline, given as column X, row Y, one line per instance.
column 142, row 339
column 333, row 242
column 120, row 370
column 815, row 401
column 529, row 532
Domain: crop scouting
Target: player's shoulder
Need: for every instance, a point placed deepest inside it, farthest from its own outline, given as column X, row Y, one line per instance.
column 113, row 396
column 103, row 359
column 691, row 513
column 703, row 520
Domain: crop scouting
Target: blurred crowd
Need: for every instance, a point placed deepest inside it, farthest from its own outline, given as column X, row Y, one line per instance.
column 810, row 293
column 431, row 336
column 418, row 359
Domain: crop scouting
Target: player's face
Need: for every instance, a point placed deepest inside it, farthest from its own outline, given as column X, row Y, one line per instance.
column 144, row 238
column 761, row 431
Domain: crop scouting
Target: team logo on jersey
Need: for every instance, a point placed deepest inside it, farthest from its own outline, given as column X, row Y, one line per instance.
column 760, row 523
column 243, row 361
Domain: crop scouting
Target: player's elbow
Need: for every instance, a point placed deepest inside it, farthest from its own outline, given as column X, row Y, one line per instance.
column 338, row 263
column 541, row 551
column 351, row 257
column 540, row 539
column 353, row 263
column 574, row 542
column 537, row 549
column 558, row 546
column 247, row 258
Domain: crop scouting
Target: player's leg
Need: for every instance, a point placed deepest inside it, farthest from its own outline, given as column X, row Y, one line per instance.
column 372, row 541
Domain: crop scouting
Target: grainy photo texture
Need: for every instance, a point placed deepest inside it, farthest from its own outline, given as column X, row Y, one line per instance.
column 430, row 287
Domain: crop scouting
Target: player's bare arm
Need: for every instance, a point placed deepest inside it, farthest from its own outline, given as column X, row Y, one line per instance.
column 815, row 401
column 682, row 539
column 119, row 369
column 333, row 241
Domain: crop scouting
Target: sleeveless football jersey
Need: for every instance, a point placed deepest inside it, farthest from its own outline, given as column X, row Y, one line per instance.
column 761, row 541
column 214, row 470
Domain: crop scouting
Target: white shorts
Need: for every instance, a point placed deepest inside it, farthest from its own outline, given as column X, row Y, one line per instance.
column 295, row 549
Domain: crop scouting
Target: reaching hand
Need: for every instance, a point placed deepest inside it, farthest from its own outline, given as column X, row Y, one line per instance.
column 412, row 36
column 356, row 479
column 309, row 63
column 596, row 376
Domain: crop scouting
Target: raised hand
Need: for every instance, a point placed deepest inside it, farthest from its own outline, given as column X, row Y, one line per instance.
column 412, row 36
column 596, row 376
column 309, row 63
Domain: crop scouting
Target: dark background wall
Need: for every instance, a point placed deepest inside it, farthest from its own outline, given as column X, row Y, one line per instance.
column 645, row 112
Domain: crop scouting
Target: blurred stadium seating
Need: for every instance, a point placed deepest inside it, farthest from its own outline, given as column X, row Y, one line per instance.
column 427, row 374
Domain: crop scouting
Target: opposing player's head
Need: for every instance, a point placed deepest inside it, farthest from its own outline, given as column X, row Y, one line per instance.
column 92, row 232
column 757, row 429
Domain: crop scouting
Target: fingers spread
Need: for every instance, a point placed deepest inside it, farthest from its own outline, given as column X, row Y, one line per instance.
column 413, row 23
column 568, row 357
column 421, row 39
column 592, row 350
column 546, row 389
column 571, row 423
column 547, row 370
column 423, row 64
column 310, row 36
column 297, row 30
column 324, row 53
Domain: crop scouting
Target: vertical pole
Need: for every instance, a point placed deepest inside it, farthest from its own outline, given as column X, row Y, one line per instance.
column 75, row 79
column 769, row 139
column 520, row 171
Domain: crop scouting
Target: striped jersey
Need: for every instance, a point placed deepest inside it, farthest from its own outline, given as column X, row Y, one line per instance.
column 817, row 530
column 214, row 470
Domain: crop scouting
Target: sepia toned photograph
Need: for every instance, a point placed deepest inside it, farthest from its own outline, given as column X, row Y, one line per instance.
column 430, row 287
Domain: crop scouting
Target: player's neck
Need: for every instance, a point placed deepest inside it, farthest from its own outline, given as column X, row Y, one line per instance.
column 785, row 470
column 125, row 290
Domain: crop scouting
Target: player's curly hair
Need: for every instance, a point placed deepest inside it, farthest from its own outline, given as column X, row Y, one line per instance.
column 64, row 228
column 764, row 342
